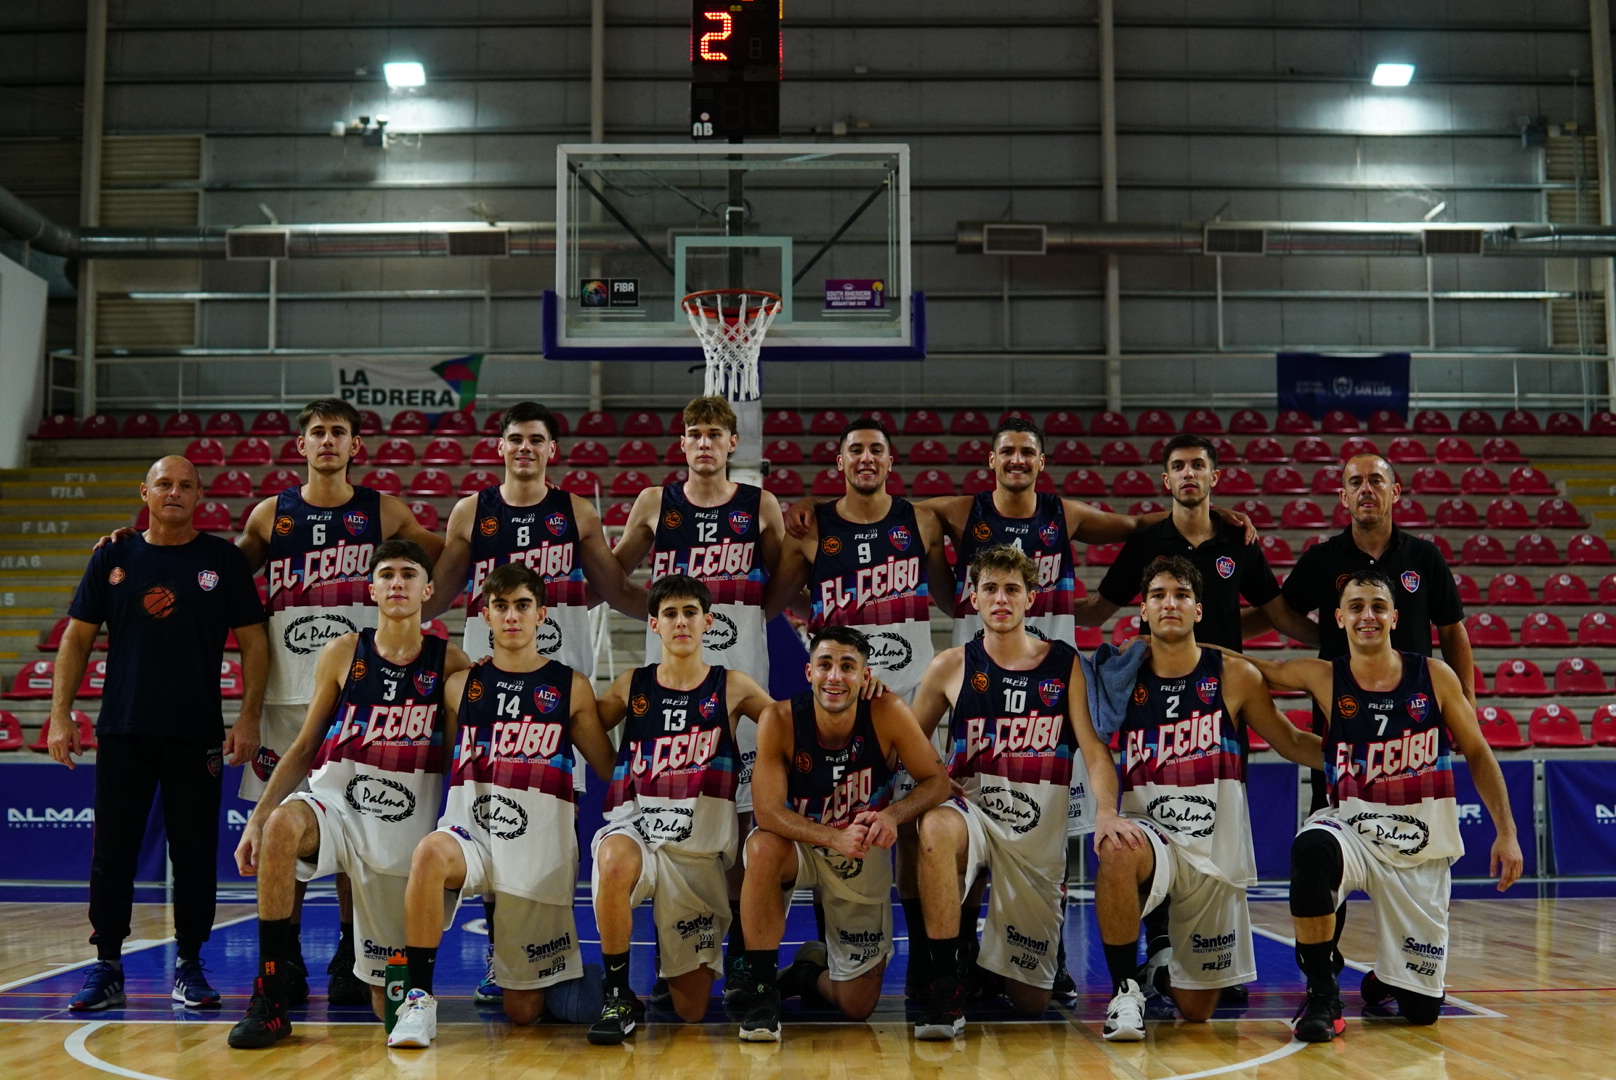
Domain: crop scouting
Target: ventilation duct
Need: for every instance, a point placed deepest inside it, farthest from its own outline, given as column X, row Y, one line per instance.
column 1004, row 239
column 1221, row 240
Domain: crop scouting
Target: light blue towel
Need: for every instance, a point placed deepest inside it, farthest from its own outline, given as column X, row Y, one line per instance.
column 1111, row 675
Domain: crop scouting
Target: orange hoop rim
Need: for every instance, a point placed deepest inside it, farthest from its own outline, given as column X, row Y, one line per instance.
column 693, row 302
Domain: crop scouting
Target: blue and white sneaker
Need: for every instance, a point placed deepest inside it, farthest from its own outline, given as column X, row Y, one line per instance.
column 103, row 988
column 488, row 991
column 191, row 987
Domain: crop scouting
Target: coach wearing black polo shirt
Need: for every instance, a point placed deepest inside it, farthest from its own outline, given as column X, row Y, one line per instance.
column 170, row 597
column 1426, row 594
column 1230, row 566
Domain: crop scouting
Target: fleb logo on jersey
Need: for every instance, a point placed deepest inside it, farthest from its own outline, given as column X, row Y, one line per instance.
column 1410, row 580
column 979, row 682
column 1347, row 706
column 355, row 521
column 426, row 682
column 546, row 698
column 640, row 705
column 556, row 523
column 1225, row 567
column 358, row 671
column 1050, row 690
column 672, row 519
column 739, row 522
column 709, row 708
column 283, row 525
column 982, row 532
column 488, row 526
column 1207, row 689
column 1049, row 534
column 830, row 545
column 1418, row 706
column 474, row 690
column 208, row 580
column 900, row 537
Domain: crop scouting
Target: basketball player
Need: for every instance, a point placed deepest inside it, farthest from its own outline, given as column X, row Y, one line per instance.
column 556, row 533
column 1392, row 827
column 1015, row 700
column 509, row 826
column 728, row 536
column 826, row 762
column 1184, row 831
column 670, row 833
column 374, row 735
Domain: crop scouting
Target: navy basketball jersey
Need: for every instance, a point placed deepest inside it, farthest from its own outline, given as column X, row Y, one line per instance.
column 1043, row 539
column 543, row 536
column 1388, row 765
column 833, row 786
column 318, row 573
column 718, row 546
column 383, row 750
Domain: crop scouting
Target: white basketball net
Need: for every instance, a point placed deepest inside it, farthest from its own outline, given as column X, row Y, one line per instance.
column 731, row 325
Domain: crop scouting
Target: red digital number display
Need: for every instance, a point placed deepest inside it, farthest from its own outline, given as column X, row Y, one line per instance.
column 738, row 39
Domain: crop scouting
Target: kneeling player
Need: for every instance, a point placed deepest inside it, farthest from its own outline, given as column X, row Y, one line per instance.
column 1185, row 833
column 671, row 830
column 822, row 784
column 374, row 734
column 1016, row 700
column 1392, row 826
column 508, row 830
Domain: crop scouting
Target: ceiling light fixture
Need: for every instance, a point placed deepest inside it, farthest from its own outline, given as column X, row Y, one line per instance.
column 1385, row 74
column 405, row 73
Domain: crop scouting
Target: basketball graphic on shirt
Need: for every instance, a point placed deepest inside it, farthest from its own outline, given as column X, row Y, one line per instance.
column 158, row 601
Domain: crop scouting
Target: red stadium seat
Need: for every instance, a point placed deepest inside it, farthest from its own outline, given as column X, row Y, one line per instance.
column 1563, row 423
column 252, row 451
column 53, row 639
column 1276, row 550
column 1535, row 549
column 1596, row 628
column 588, row 452
column 1340, row 517
column 1409, row 513
column 278, row 480
column 1556, row 725
column 1481, row 682
column 485, row 451
column 1544, row 629
column 1602, row 423
column 1431, row 422
column 785, row 483
column 824, row 453
column 224, row 425
column 205, row 452
column 1109, row 425
column 1293, row 422
column 629, row 483
column 1351, row 448
column 493, row 421
column 1340, row 422
column 430, row 484
column 1326, row 480
column 895, row 484
column 1506, row 513
column 1488, row 631
column 1456, row 513
column 637, row 452
column 1501, row 450
column 1125, row 628
column 1602, row 729
column 779, row 452
column 1452, row 450
column 1483, row 549
column 675, row 454
column 1432, row 481
column 1236, row 481
column 396, row 452
column 1520, row 678
column 1501, row 730
column 289, row 454
column 271, row 423
column 426, row 515
column 1407, row 451
column 1265, row 450
column 890, row 422
column 385, row 481
column 1315, row 539
column 828, row 483
column 1063, row 422
column 1089, row 638
column 1508, row 589
column 1268, row 639
column 972, row 452
column 1476, row 422
column 577, row 481
column 1284, row 480
column 1146, row 506
column 409, row 422
column 918, row 422
column 443, row 452
column 370, row 422
column 1559, row 514
column 10, row 732
column 457, row 422
column 1083, row 484
column 782, row 422
column 969, row 422
column 1586, row 549
column 597, row 424
column 976, row 481
column 1121, row 452
column 230, row 680
column 1386, row 422
column 230, row 484
column 827, row 422
column 1301, row 514
column 1469, row 593
column 932, row 452
column 99, row 426
column 1226, row 450
column 1202, row 422
column 213, row 516
column 478, row 479
column 1525, row 480
column 143, row 425
column 1575, row 675
column 1155, row 422
column 930, row 483
column 1248, row 422
column 1519, row 422
column 1312, row 448
column 1102, row 554
column 1480, row 480
column 1566, row 589
column 643, row 425
column 33, row 681
column 617, row 513
column 1133, row 483
column 183, row 424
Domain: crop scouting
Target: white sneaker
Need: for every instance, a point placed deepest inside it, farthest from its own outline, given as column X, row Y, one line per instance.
column 417, row 1023
column 1124, row 1019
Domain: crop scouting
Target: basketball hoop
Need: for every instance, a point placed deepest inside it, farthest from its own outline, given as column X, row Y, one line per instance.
column 730, row 324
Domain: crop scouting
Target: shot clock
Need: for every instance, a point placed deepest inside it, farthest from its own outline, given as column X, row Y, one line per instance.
column 735, row 69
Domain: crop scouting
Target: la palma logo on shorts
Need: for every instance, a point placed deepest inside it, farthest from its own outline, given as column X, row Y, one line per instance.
column 900, row 537
column 1225, row 567
column 1049, row 534
column 355, row 522
column 1418, row 706
column 380, row 797
column 426, row 682
column 1207, row 689
column 739, row 522
column 556, row 523
column 1050, row 690
column 208, row 580
column 1411, row 581
column 546, row 698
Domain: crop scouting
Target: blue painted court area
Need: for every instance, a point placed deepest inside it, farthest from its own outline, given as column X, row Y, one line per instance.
column 231, row 957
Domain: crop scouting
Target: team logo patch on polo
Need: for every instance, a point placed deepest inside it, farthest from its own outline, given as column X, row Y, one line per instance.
column 1225, row 567
column 979, row 682
column 739, row 522
column 355, row 522
column 900, row 537
column 1207, row 689
column 1418, row 706
column 116, row 576
column 1049, row 534
column 709, row 708
column 1410, row 580
column 830, row 545
column 283, row 525
column 672, row 519
column 488, row 526
column 1050, row 691
column 556, row 523
column 1347, row 706
column 426, row 682
column 546, row 698
column 982, row 532
column 208, row 580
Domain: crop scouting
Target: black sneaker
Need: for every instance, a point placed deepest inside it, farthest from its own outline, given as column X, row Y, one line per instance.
column 1375, row 993
column 1065, row 988
column 942, row 1015
column 1319, row 1018
column 344, row 987
column 616, row 1021
column 762, row 1021
column 801, row 978
column 661, row 994
column 1237, row 995
column 738, row 983
column 297, row 982
column 265, row 1024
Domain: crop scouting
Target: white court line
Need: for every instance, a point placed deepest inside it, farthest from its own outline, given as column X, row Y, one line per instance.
column 74, row 1045
column 138, row 945
column 1274, row 1055
column 1476, row 1010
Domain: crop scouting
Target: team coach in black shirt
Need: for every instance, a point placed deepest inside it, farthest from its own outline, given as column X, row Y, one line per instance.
column 170, row 597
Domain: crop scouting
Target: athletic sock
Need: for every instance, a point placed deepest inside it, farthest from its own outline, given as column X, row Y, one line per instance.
column 1156, row 938
column 345, row 941
column 422, row 961
column 764, row 965
column 1316, row 961
column 615, row 967
column 274, row 939
column 736, row 945
column 915, row 918
column 109, row 952
column 944, row 954
column 488, row 917
column 187, row 951
column 1122, row 961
